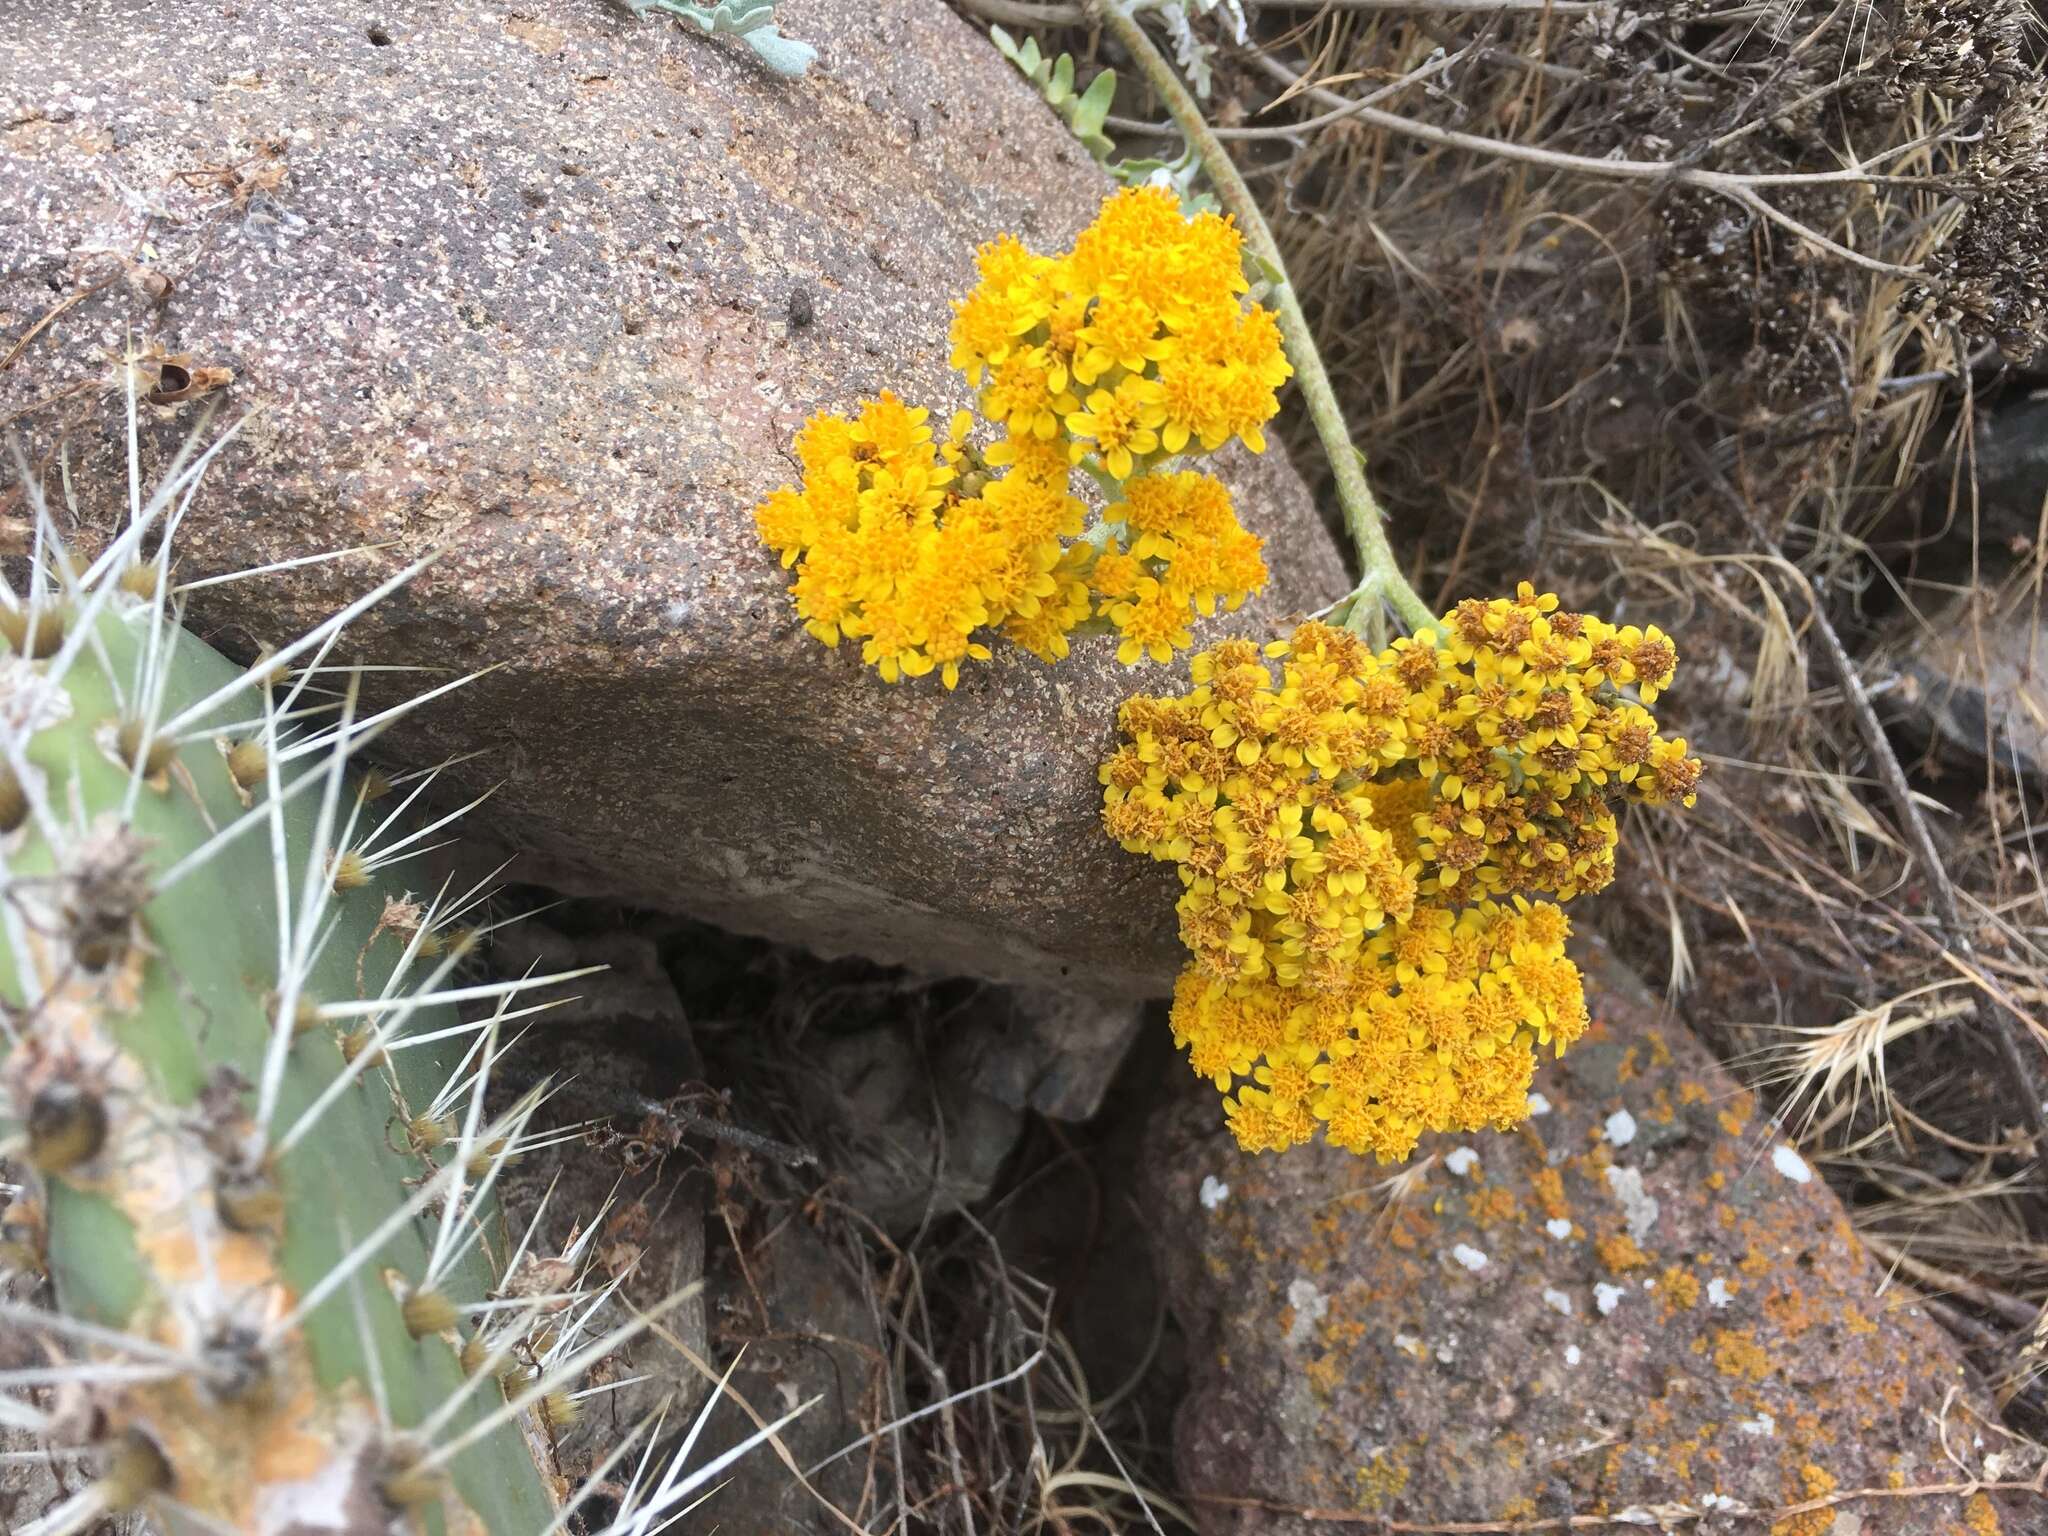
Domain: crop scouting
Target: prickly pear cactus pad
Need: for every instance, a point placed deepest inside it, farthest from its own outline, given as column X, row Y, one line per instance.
column 275, row 1293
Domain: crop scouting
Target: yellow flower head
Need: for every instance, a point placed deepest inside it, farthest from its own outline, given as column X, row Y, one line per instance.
column 1373, row 847
column 1132, row 348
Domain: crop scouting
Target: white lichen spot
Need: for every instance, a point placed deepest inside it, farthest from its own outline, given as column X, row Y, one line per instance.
column 1638, row 1208
column 1447, row 1352
column 1720, row 1501
column 1572, row 1355
column 1607, row 1297
column 1762, row 1424
column 1557, row 1301
column 1538, row 1105
column 1470, row 1257
column 1558, row 1228
column 1621, row 1128
column 1461, row 1161
column 1717, row 1292
column 1310, row 1305
column 1791, row 1165
column 1408, row 1344
column 1214, row 1192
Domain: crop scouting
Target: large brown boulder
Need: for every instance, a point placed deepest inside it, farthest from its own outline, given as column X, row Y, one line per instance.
column 1643, row 1305
column 551, row 288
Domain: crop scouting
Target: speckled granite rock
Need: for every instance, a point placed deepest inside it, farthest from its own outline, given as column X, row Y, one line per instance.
column 552, row 288
column 1644, row 1300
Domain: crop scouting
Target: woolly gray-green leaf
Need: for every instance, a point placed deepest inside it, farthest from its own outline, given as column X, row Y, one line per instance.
column 751, row 21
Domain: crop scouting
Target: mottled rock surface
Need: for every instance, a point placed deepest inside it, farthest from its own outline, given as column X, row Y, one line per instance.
column 551, row 289
column 1036, row 1048
column 906, row 1138
column 1643, row 1300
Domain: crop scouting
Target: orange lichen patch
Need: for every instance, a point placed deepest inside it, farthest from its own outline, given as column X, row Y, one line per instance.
column 1792, row 1311
column 1690, row 1092
column 1679, row 1288
column 1717, row 1180
column 1815, row 1482
column 1980, row 1516
column 1325, row 1373
column 1626, row 1071
column 1660, row 1053
column 289, row 1454
column 1854, row 1320
column 1731, row 1122
column 1410, row 1227
column 240, row 1260
column 1523, row 1508
column 1494, row 1205
column 227, row 1455
column 1737, row 1353
column 1620, row 1253
column 1681, row 1455
column 1548, row 1183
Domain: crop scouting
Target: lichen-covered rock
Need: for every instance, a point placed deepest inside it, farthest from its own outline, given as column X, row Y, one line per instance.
column 550, row 289
column 1642, row 1300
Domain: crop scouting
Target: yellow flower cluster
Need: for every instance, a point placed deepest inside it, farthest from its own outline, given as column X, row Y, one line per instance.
column 1130, row 350
column 1366, row 844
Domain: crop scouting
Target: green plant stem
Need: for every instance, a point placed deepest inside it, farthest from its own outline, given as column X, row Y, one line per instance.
column 1380, row 575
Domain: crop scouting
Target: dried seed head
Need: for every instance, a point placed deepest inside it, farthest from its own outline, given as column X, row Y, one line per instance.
column 36, row 634
column 248, row 762
column 428, row 1311
column 13, row 800
column 153, row 752
column 67, row 1125
column 136, row 1468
